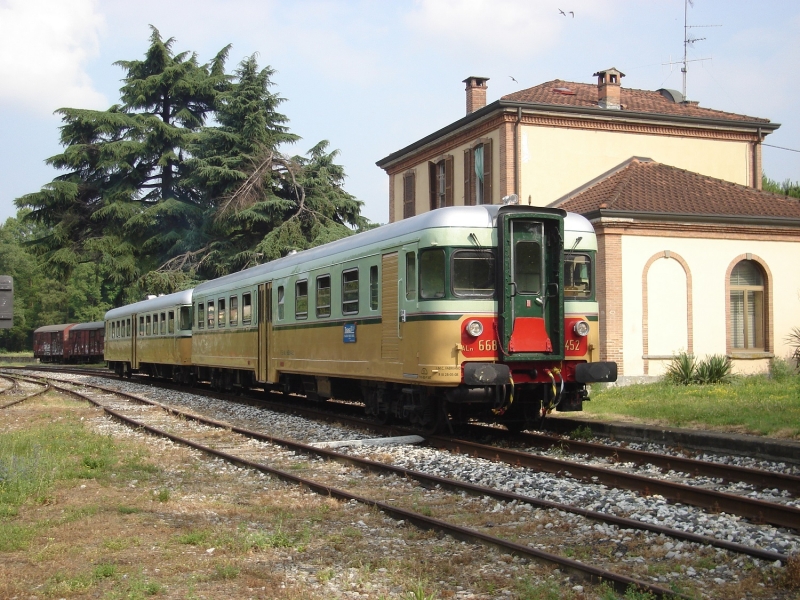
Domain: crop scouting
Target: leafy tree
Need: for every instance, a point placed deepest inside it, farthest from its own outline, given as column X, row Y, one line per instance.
column 787, row 188
column 153, row 195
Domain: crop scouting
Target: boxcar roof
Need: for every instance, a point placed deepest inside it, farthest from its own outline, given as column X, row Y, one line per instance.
column 92, row 325
column 184, row 297
column 49, row 328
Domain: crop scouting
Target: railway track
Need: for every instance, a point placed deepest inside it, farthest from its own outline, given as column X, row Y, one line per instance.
column 17, row 388
column 681, row 488
column 227, row 450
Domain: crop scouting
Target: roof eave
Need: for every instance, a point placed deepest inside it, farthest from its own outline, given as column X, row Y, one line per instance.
column 630, row 215
column 766, row 127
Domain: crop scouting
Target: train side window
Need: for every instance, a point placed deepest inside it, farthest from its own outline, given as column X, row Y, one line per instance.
column 233, row 311
column 431, row 274
column 163, row 324
column 577, row 276
column 201, row 315
column 148, row 325
column 301, row 299
column 411, row 276
column 141, row 325
column 350, row 292
column 247, row 309
column 211, row 314
column 155, row 324
column 186, row 318
column 281, row 303
column 171, row 322
column 373, row 287
column 128, row 327
column 324, row 296
column 473, row 273
column 113, row 329
column 221, row 312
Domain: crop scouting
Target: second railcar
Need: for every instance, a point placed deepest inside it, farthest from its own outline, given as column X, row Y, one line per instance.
column 153, row 336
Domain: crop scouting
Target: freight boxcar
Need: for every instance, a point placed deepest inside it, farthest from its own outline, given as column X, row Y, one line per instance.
column 84, row 343
column 49, row 342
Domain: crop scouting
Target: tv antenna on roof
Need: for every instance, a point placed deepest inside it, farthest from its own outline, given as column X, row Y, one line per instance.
column 687, row 41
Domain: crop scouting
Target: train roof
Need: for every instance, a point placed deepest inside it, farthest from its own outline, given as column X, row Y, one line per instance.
column 475, row 217
column 92, row 325
column 157, row 303
column 50, row 328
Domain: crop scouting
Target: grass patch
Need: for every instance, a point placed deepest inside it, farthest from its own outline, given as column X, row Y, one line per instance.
column 754, row 404
column 32, row 460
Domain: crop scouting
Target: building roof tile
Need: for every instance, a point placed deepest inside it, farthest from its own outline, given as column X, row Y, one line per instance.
column 567, row 93
column 645, row 186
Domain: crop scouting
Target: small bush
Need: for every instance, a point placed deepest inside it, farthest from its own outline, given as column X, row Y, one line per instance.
column 684, row 369
column 714, row 369
column 781, row 369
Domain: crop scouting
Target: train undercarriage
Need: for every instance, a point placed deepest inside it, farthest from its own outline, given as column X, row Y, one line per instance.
column 427, row 409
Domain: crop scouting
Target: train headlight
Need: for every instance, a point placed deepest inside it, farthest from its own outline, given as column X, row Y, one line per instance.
column 581, row 328
column 474, row 328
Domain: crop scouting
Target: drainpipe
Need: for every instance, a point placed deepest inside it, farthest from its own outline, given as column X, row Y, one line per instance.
column 517, row 182
column 756, row 174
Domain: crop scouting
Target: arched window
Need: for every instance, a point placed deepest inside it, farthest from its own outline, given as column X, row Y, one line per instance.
column 747, row 308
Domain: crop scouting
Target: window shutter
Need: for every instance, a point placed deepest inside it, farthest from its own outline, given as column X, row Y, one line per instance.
column 448, row 181
column 469, row 200
column 409, row 194
column 487, row 172
column 432, row 184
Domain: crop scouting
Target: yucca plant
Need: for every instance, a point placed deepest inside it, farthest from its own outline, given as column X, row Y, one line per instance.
column 793, row 339
column 682, row 369
column 714, row 369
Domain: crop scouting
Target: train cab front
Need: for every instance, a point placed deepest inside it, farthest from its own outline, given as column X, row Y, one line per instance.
column 535, row 368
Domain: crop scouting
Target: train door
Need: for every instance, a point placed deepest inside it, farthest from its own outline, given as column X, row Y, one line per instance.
column 134, row 340
column 390, row 311
column 532, row 309
column 264, row 330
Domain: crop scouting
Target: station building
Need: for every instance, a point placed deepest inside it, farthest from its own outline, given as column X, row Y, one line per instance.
column 692, row 255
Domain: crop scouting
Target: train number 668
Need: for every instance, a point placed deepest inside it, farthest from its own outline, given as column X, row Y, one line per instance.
column 487, row 345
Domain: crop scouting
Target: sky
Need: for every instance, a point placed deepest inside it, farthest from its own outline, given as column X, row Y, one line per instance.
column 372, row 77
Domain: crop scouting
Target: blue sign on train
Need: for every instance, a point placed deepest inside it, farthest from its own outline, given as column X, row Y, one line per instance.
column 349, row 333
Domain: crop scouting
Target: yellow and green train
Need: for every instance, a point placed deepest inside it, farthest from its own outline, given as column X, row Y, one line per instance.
column 462, row 312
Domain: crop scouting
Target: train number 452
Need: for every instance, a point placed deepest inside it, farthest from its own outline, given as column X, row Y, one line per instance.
column 572, row 345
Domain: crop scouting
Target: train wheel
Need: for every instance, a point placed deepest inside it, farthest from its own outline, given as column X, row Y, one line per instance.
column 434, row 417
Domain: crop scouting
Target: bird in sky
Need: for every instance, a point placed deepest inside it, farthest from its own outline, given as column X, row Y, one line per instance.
column 562, row 12
column 572, row 13
column 514, row 80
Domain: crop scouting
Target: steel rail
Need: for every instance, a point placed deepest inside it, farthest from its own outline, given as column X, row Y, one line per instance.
column 456, row 485
column 759, row 511
column 14, row 378
column 691, row 466
column 621, row 583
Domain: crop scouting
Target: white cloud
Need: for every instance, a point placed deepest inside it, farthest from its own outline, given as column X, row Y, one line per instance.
column 44, row 48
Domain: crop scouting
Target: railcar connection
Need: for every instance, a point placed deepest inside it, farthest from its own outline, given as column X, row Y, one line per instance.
column 463, row 312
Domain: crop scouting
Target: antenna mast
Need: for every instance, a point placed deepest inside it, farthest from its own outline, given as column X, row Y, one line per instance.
column 687, row 41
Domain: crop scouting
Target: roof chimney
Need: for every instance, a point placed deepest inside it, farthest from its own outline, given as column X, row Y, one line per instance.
column 608, row 86
column 476, row 93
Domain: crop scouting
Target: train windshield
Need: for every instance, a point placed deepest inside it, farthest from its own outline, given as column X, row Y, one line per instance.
column 473, row 273
column 577, row 276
